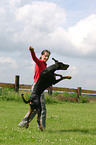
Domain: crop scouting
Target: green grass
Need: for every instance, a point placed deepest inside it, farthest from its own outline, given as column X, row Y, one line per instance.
column 67, row 124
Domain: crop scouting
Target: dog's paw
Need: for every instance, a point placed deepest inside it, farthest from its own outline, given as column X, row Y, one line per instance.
column 41, row 128
column 27, row 125
column 69, row 77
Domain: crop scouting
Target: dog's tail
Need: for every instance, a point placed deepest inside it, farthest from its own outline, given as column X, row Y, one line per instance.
column 22, row 95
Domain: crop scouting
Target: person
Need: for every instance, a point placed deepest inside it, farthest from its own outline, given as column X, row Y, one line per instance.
column 40, row 65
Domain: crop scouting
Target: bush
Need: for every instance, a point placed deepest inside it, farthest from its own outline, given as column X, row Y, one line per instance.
column 8, row 94
column 5, row 93
column 51, row 100
column 83, row 99
column 56, row 93
column 67, row 94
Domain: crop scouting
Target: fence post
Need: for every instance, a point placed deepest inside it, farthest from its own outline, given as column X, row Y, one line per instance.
column 16, row 83
column 78, row 93
column 50, row 91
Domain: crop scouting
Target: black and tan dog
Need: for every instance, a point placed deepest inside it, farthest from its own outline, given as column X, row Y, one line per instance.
column 46, row 79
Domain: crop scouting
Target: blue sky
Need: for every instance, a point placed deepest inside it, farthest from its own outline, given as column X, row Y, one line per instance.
column 66, row 28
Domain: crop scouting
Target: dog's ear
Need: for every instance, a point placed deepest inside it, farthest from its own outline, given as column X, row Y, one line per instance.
column 55, row 60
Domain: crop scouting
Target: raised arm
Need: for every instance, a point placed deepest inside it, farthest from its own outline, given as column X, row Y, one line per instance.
column 31, row 49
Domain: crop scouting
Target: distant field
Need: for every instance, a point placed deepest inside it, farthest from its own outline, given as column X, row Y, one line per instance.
column 67, row 124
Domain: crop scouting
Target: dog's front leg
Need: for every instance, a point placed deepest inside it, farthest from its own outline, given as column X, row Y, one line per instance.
column 66, row 77
column 58, row 75
column 62, row 78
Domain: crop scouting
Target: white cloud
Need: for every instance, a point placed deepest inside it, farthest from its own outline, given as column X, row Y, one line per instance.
column 39, row 19
column 2, row 11
column 83, row 34
column 43, row 22
column 13, row 4
column 90, row 82
column 73, row 70
column 2, row 14
column 8, row 61
column 41, row 12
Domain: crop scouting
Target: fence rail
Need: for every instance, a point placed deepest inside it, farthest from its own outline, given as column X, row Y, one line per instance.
column 25, row 86
column 7, row 85
column 18, row 86
column 64, row 89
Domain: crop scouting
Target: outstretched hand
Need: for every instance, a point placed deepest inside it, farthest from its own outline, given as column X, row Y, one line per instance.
column 31, row 48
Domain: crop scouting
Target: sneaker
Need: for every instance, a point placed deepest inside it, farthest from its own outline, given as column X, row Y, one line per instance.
column 22, row 124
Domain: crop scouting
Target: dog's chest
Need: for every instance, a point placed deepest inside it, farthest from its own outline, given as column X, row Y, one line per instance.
column 43, row 83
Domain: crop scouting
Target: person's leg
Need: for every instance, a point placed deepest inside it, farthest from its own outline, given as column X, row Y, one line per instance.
column 43, row 112
column 24, row 120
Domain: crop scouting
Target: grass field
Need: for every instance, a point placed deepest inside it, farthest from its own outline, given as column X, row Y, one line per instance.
column 67, row 124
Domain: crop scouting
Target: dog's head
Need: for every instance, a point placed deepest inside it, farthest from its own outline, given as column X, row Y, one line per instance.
column 60, row 65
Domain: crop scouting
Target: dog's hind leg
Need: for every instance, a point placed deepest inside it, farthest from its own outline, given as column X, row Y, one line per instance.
column 39, row 123
column 38, row 119
column 30, row 112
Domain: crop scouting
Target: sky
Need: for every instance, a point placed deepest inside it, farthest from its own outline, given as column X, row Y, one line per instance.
column 66, row 28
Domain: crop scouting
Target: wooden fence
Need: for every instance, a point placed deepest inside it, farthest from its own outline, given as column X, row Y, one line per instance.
column 18, row 86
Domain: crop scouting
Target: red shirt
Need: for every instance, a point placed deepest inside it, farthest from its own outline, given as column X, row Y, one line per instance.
column 40, row 65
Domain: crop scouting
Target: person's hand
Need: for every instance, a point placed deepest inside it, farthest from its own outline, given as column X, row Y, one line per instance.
column 50, row 88
column 31, row 48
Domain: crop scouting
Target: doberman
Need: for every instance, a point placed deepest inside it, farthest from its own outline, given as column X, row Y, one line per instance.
column 46, row 79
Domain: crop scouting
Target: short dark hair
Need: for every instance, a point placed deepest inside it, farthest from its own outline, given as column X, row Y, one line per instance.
column 43, row 52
